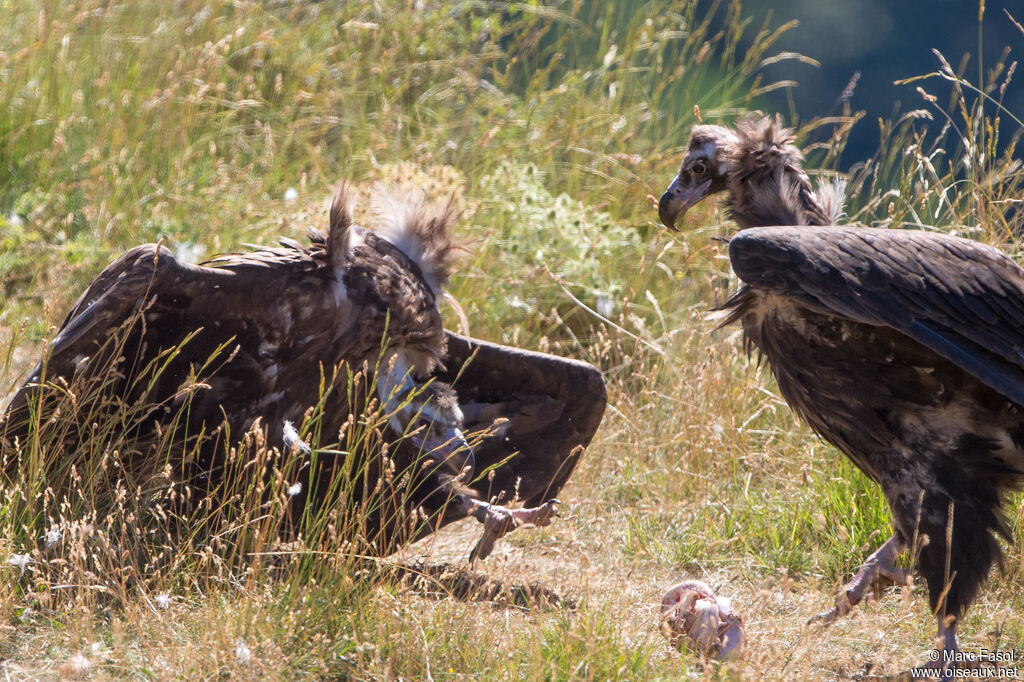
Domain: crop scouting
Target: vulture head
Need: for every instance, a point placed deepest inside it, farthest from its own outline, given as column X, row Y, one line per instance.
column 760, row 168
column 703, row 172
column 430, row 415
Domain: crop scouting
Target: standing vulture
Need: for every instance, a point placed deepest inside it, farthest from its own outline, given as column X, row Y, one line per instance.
column 256, row 340
column 903, row 348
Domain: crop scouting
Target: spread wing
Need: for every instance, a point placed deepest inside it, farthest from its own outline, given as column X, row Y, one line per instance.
column 550, row 406
column 147, row 274
column 960, row 298
column 146, row 304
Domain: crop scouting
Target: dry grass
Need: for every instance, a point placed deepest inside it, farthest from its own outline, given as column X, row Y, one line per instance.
column 188, row 123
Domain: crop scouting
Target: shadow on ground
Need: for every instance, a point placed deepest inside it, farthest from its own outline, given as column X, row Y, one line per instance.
column 449, row 581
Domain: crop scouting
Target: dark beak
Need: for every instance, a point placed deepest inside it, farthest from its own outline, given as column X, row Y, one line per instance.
column 677, row 199
column 447, row 446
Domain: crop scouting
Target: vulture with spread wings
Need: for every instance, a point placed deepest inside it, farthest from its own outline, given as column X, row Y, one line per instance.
column 903, row 348
column 347, row 323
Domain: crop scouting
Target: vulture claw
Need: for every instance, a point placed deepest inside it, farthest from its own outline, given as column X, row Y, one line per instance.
column 499, row 521
column 876, row 569
column 842, row 607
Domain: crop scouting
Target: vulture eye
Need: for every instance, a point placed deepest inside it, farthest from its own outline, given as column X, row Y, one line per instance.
column 699, row 168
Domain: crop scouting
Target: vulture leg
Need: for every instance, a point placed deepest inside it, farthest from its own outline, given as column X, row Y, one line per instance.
column 947, row 636
column 944, row 663
column 877, row 566
column 528, row 417
column 499, row 521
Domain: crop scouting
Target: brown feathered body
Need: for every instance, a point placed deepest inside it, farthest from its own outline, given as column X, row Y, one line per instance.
column 902, row 348
column 267, row 324
column 260, row 338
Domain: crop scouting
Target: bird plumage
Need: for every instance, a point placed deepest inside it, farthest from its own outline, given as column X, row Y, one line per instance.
column 258, row 339
column 882, row 342
column 760, row 169
column 287, row 313
column 903, row 348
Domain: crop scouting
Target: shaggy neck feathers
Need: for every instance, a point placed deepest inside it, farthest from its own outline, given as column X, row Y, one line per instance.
column 338, row 235
column 418, row 230
column 766, row 181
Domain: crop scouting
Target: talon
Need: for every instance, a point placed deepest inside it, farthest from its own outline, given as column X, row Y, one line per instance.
column 843, row 606
column 499, row 521
column 826, row 618
column 877, row 566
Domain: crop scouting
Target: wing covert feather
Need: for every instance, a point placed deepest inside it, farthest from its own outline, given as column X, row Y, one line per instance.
column 960, row 298
column 126, row 285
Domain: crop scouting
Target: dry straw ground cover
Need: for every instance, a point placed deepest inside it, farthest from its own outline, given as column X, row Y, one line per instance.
column 212, row 125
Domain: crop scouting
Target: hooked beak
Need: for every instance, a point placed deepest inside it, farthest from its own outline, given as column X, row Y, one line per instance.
column 677, row 199
column 446, row 446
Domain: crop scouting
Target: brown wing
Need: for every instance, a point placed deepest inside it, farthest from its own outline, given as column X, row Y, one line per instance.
column 962, row 299
column 553, row 407
column 145, row 274
column 247, row 322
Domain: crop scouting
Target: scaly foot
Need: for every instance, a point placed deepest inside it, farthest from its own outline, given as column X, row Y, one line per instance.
column 499, row 521
column 877, row 566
